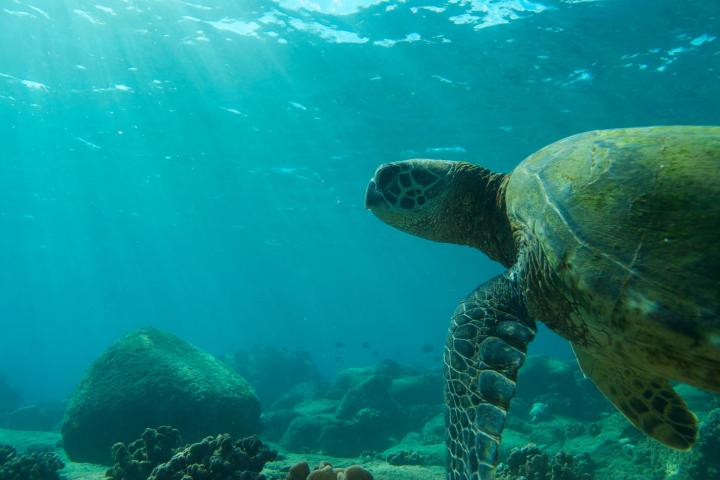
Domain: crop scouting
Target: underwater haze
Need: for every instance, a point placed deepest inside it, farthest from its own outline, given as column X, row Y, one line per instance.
column 200, row 166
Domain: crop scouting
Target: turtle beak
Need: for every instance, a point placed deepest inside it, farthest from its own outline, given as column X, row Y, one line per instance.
column 373, row 197
column 384, row 176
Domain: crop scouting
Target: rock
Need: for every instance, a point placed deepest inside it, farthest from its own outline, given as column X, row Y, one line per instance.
column 364, row 419
column 137, row 460
column 159, row 456
column 420, row 397
column 327, row 434
column 217, row 458
column 29, row 466
column 299, row 393
column 425, row 389
column 364, row 410
column 304, row 433
column 412, row 450
column 434, row 430
column 275, row 423
column 354, row 472
column 405, row 457
column 43, row 417
column 351, row 439
column 530, row 463
column 374, row 393
column 393, row 369
column 299, row 471
column 372, row 411
column 325, row 473
column 336, row 437
column 350, row 378
column 704, row 460
column 317, row 406
column 561, row 386
column 153, row 377
column 346, row 380
column 273, row 372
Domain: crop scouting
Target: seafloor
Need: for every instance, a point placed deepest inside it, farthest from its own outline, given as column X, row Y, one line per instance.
column 615, row 454
column 276, row 470
column 389, row 418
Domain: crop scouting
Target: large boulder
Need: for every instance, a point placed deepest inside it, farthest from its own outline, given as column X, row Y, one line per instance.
column 152, row 378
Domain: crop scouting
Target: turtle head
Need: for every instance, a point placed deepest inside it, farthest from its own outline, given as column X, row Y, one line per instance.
column 411, row 195
column 445, row 201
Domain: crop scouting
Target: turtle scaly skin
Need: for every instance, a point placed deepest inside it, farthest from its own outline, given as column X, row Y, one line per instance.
column 610, row 238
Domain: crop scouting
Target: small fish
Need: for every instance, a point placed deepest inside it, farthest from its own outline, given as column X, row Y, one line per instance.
column 339, row 344
column 427, row 348
column 365, row 345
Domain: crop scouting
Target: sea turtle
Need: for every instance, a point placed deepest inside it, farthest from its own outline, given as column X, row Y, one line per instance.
column 611, row 238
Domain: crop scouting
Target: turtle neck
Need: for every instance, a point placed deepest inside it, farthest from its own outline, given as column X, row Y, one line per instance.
column 478, row 214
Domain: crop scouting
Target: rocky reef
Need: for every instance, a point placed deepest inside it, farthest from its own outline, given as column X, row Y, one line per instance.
column 157, row 455
column 153, row 377
column 363, row 410
column 396, row 412
column 28, row 466
column 138, row 459
column 217, row 458
column 575, row 432
column 390, row 418
column 530, row 463
column 325, row 471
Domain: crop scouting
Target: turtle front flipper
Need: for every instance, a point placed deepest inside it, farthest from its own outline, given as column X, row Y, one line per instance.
column 485, row 348
column 650, row 403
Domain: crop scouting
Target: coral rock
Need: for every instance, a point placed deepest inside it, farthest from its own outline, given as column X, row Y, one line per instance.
column 152, row 377
column 530, row 463
column 30, row 466
column 325, row 473
column 136, row 461
column 355, row 472
column 299, row 471
column 158, row 456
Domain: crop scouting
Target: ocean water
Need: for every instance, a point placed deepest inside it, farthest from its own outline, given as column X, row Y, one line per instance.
column 200, row 166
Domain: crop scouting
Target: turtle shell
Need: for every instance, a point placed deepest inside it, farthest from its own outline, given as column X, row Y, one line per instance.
column 629, row 220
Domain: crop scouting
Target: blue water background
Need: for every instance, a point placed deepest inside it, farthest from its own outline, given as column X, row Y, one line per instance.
column 200, row 166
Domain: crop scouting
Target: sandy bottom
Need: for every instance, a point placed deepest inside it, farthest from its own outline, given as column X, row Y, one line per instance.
column 21, row 440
